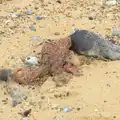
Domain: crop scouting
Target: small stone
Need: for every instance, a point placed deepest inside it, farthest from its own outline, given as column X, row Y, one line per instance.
column 108, row 85
column 115, row 32
column 92, row 16
column 36, row 8
column 38, row 17
column 35, row 38
column 58, row 1
column 31, row 60
column 33, row 28
column 57, row 118
column 78, row 109
column 67, row 109
column 25, row 118
column 114, row 116
column 12, row 57
column 105, row 101
column 42, row 97
column 29, row 12
column 27, row 112
column 56, row 33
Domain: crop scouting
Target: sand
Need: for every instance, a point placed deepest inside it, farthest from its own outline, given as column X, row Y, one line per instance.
column 93, row 96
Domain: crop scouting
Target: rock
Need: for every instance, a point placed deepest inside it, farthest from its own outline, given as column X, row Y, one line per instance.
column 25, row 118
column 38, row 18
column 13, row 15
column 31, row 60
column 57, row 118
column 27, row 112
column 35, row 38
column 108, row 85
column 78, row 109
column 29, row 12
column 115, row 32
column 67, row 109
column 33, row 28
column 58, row 1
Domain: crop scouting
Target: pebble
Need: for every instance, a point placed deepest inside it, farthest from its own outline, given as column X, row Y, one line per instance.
column 35, row 38
column 67, row 109
column 78, row 109
column 108, row 85
column 29, row 12
column 27, row 112
column 38, row 17
column 31, row 60
column 25, row 118
column 13, row 15
column 115, row 32
column 33, row 28
column 57, row 118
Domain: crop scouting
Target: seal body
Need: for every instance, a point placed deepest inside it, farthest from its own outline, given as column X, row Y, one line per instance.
column 92, row 44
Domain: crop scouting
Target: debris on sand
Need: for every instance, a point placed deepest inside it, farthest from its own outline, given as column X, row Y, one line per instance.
column 53, row 59
column 35, row 38
column 38, row 18
column 29, row 12
column 33, row 28
column 27, row 112
column 17, row 94
column 31, row 60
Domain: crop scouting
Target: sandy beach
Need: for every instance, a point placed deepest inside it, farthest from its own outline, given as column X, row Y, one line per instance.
column 93, row 96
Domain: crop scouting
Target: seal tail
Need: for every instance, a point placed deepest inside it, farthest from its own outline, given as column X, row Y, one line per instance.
column 5, row 74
